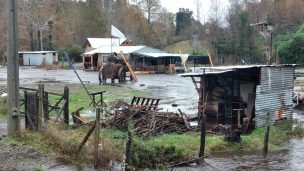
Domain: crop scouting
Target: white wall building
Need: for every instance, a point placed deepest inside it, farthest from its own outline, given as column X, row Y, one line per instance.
column 36, row 58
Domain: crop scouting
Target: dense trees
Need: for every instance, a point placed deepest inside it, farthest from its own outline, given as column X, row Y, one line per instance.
column 290, row 47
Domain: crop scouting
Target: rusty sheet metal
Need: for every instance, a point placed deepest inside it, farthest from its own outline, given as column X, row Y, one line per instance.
column 274, row 95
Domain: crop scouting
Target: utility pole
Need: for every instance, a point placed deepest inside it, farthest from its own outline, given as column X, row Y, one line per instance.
column 13, row 115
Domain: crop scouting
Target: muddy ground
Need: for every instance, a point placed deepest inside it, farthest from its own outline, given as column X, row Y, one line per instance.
column 173, row 89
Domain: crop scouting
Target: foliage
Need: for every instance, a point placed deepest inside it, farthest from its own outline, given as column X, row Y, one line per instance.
column 161, row 151
column 240, row 41
column 3, row 106
column 199, row 52
column 75, row 52
column 290, row 47
column 183, row 20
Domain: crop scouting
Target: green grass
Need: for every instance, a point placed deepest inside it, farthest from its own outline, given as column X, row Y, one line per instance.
column 171, row 148
column 153, row 152
column 79, row 98
column 3, row 106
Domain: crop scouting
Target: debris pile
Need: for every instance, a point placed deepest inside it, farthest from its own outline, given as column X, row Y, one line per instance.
column 147, row 122
column 298, row 98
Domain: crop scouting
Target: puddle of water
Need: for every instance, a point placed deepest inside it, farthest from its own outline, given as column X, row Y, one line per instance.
column 180, row 91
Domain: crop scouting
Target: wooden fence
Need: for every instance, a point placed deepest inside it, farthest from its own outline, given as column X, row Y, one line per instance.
column 36, row 103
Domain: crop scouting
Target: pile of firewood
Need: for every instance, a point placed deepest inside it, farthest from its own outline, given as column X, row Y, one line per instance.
column 148, row 122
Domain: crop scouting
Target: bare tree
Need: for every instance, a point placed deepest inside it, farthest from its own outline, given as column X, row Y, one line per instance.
column 198, row 5
column 37, row 15
column 150, row 7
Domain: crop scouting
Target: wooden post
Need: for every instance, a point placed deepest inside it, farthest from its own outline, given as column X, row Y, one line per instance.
column 13, row 113
column 239, row 118
column 203, row 136
column 46, row 106
column 96, row 147
column 122, row 56
column 202, row 117
column 266, row 137
column 128, row 152
column 25, row 110
column 66, row 107
column 40, row 105
column 32, row 111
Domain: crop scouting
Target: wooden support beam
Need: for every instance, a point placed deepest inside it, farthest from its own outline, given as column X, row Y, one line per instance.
column 128, row 152
column 46, row 106
column 85, row 139
column 40, row 105
column 66, row 105
column 195, row 84
column 96, row 145
column 129, row 66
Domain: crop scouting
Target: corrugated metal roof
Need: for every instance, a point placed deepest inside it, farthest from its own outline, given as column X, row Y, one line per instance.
column 155, row 53
column 37, row 52
column 117, row 49
column 138, row 50
column 207, row 72
column 98, row 42
column 228, row 68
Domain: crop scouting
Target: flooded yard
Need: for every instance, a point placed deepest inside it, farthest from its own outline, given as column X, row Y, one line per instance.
column 174, row 89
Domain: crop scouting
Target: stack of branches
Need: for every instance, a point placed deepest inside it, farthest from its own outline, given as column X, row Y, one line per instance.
column 146, row 122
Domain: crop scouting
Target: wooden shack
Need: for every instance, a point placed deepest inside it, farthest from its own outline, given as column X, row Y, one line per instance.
column 244, row 95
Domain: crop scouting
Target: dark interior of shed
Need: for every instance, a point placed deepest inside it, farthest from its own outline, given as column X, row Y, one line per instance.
column 230, row 97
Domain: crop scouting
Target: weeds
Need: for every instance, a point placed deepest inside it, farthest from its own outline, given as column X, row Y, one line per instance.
column 3, row 106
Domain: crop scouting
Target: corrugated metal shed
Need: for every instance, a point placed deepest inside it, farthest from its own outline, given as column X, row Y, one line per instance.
column 229, row 68
column 274, row 94
column 38, row 57
column 274, row 90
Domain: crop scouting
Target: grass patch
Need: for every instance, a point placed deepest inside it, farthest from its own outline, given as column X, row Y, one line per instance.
column 163, row 150
column 79, row 98
column 154, row 152
column 62, row 142
column 3, row 106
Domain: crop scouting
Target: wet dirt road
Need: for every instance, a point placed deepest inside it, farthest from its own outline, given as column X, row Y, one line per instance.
column 171, row 88
column 174, row 89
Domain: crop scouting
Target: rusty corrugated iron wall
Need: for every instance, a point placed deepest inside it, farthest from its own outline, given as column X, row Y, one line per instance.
column 274, row 94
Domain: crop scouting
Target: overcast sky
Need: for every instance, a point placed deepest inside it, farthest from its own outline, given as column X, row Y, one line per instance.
column 174, row 5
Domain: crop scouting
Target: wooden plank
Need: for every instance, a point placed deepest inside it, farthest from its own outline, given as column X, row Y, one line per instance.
column 143, row 101
column 185, row 119
column 40, row 106
column 133, row 100
column 128, row 151
column 59, row 113
column 137, row 101
column 66, row 105
column 147, row 102
column 46, row 106
column 81, row 119
column 196, row 87
column 129, row 66
column 85, row 139
column 96, row 145
column 31, row 111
